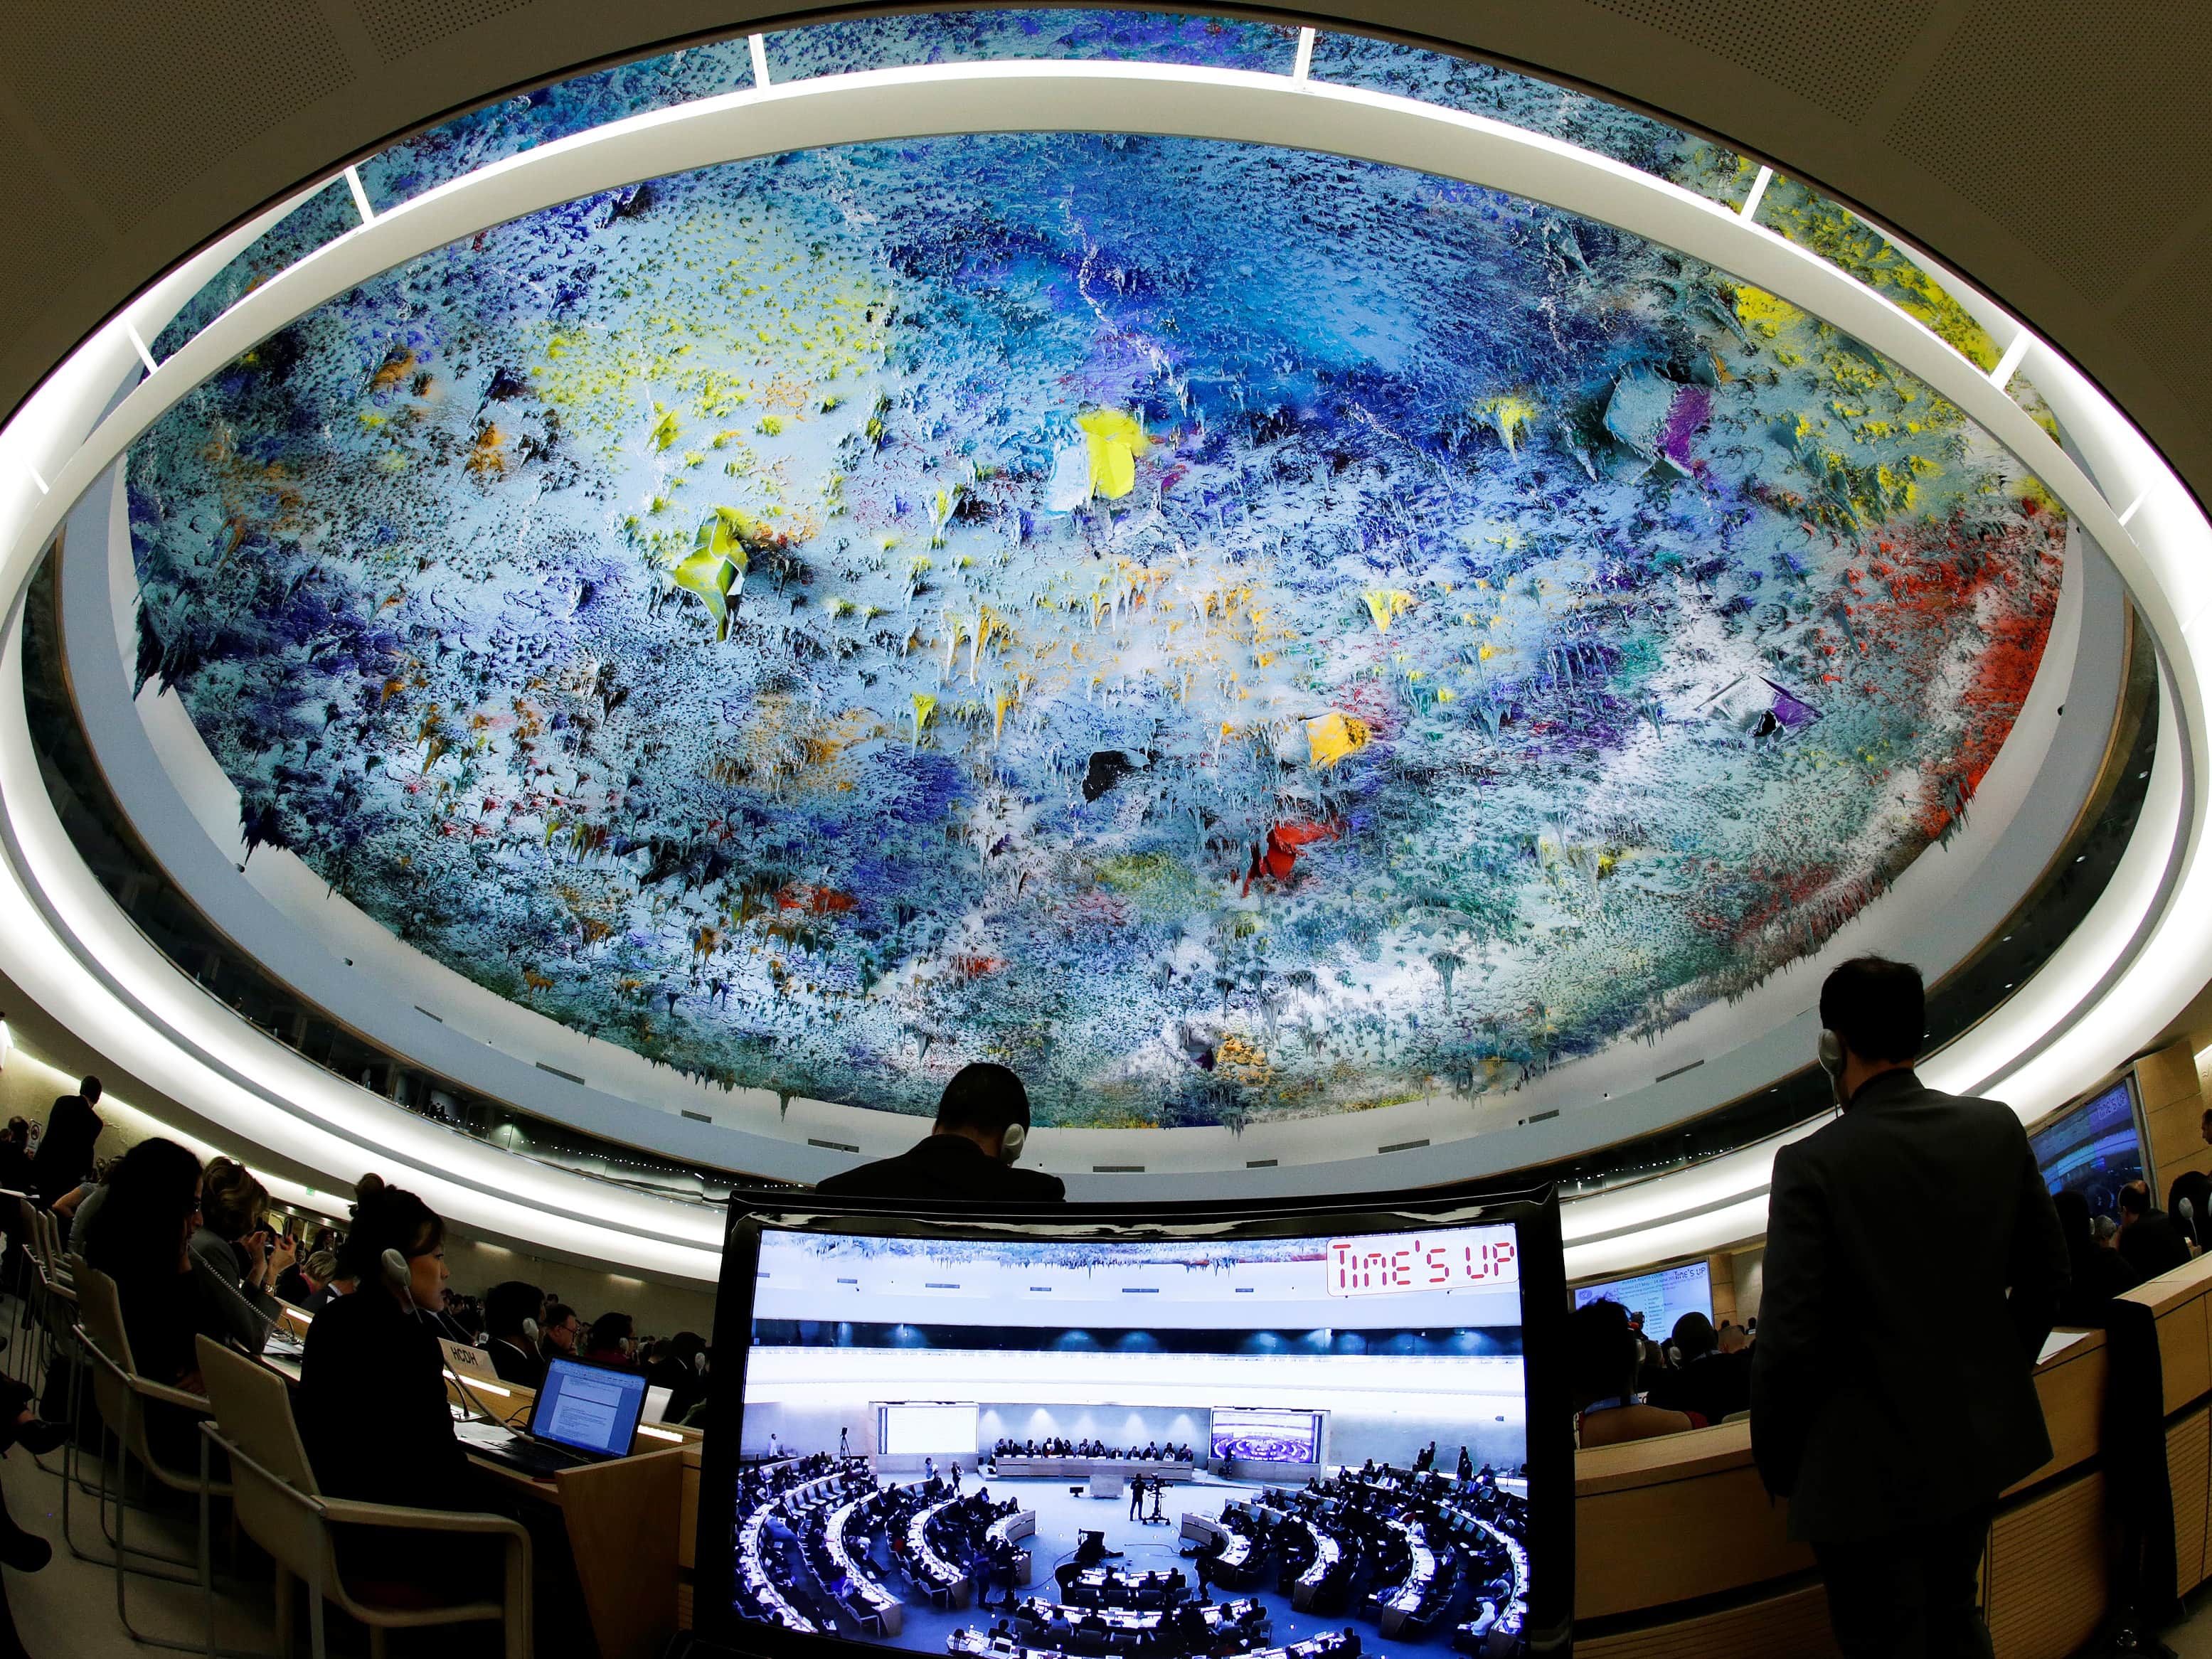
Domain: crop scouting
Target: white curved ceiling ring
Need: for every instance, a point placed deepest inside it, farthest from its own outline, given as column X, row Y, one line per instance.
column 2133, row 962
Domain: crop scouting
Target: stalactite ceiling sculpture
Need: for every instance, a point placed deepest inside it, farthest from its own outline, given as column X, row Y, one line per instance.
column 1231, row 633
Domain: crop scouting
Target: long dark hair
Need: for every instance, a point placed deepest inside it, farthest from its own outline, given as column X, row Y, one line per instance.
column 139, row 1231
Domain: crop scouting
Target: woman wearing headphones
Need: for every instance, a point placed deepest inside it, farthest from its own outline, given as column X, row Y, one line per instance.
column 372, row 1401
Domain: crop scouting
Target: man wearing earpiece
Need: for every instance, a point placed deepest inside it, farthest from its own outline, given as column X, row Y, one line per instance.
column 511, row 1322
column 1891, row 1435
column 982, row 1124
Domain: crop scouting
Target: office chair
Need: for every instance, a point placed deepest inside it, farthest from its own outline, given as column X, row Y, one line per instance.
column 281, row 1508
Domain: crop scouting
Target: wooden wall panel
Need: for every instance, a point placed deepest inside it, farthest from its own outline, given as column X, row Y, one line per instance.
column 2173, row 1111
column 2189, row 1471
column 1679, row 1539
column 1721, row 1270
column 2046, row 1574
column 1792, row 1626
column 2184, row 1351
column 687, row 1521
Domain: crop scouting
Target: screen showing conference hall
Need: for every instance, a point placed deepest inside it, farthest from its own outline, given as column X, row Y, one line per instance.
column 1304, row 1446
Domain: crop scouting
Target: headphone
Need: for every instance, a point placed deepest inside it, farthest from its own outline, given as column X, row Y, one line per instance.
column 399, row 1276
column 530, row 1328
column 1830, row 1056
column 1010, row 1146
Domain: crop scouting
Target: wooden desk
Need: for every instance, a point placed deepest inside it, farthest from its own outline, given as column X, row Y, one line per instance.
column 621, row 1518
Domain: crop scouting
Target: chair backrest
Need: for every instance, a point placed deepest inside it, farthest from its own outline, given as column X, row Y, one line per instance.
column 43, row 1234
column 99, row 1314
column 254, row 1411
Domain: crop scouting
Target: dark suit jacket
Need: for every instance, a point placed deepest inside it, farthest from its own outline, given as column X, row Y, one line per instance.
column 65, row 1150
column 1891, row 1385
column 946, row 1166
column 517, row 1362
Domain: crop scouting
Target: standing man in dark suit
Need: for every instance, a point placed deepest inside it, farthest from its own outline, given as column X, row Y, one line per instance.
column 983, row 1123
column 64, row 1156
column 1891, row 1435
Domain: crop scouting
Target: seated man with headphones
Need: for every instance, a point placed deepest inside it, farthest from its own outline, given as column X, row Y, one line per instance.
column 983, row 1123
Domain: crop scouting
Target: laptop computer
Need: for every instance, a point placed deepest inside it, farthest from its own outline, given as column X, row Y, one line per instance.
column 582, row 1414
column 471, row 1364
column 656, row 1404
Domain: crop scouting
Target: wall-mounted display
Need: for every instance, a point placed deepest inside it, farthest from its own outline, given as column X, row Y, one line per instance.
column 1230, row 632
column 1662, row 1298
column 2095, row 1149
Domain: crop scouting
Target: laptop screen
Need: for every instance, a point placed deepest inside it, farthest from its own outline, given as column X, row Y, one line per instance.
column 590, row 1408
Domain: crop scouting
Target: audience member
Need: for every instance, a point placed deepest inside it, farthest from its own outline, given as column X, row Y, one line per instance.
column 611, row 1341
column 324, row 1267
column 1601, row 1364
column 511, row 1322
column 65, row 1155
column 372, row 1398
column 1708, row 1383
column 148, row 1213
column 1892, row 1461
column 982, row 1123
column 16, row 1155
column 559, row 1331
column 680, row 1369
column 2148, row 1239
column 2189, row 1201
column 230, row 1251
column 2097, row 1275
column 302, row 1280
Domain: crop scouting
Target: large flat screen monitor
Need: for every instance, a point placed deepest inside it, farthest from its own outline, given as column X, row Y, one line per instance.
column 2094, row 1149
column 1662, row 1298
column 1295, row 1431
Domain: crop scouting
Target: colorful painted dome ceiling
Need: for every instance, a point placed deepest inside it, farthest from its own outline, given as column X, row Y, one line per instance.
column 1229, row 632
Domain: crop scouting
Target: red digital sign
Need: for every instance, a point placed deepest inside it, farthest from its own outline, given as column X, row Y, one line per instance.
column 1391, row 1264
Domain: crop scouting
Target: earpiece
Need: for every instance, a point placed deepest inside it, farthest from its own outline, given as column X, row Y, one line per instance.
column 1830, row 1056
column 530, row 1329
column 1010, row 1148
column 395, row 1271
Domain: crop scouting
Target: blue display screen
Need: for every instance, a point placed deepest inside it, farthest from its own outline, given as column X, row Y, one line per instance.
column 2092, row 1150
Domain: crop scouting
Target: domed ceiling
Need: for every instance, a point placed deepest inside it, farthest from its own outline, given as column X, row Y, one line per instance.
column 1231, row 632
